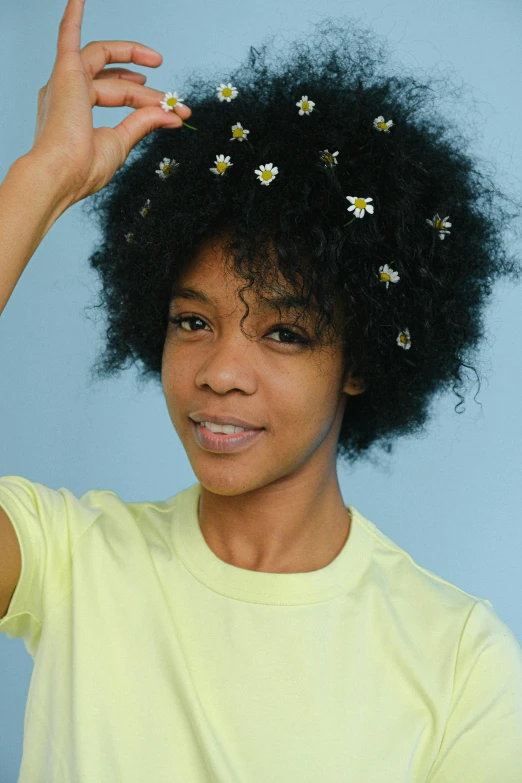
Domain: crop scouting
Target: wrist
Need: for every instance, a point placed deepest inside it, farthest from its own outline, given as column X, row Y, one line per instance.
column 48, row 181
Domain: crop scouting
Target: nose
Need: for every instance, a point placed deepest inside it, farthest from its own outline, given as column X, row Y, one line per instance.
column 229, row 364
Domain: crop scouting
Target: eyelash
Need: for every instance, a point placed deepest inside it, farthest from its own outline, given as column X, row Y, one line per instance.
column 279, row 328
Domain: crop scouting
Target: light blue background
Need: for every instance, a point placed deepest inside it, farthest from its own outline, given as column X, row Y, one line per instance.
column 452, row 500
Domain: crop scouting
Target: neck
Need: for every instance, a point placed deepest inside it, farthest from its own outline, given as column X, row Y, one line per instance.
column 290, row 526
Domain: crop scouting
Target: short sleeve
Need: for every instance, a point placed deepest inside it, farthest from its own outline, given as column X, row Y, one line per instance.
column 47, row 523
column 482, row 741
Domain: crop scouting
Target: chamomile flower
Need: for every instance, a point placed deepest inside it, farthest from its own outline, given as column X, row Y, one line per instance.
column 145, row 208
column 129, row 237
column 388, row 275
column 239, row 133
column 305, row 106
column 360, row 205
column 439, row 224
column 380, row 125
column 170, row 100
column 166, row 168
column 404, row 339
column 329, row 157
column 222, row 164
column 266, row 173
column 226, row 92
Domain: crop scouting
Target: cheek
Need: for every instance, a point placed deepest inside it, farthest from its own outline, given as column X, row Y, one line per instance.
column 174, row 367
column 315, row 402
column 175, row 382
column 300, row 402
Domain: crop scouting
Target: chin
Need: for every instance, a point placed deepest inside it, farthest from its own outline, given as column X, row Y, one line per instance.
column 230, row 479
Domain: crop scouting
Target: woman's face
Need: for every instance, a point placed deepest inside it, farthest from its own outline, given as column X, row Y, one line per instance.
column 267, row 377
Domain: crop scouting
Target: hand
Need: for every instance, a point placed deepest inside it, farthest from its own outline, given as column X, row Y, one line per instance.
column 83, row 158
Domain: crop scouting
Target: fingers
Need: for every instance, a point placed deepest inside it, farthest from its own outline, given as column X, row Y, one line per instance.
column 69, row 32
column 120, row 92
column 122, row 73
column 97, row 54
column 135, row 127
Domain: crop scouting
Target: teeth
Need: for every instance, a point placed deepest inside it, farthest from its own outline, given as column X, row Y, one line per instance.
column 228, row 429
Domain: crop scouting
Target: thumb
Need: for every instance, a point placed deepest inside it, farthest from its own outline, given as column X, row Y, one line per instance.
column 124, row 137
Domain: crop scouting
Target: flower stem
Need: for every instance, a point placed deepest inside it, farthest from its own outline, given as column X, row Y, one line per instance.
column 350, row 221
column 189, row 126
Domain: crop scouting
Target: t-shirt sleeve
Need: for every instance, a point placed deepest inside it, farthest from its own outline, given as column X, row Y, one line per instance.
column 48, row 523
column 482, row 741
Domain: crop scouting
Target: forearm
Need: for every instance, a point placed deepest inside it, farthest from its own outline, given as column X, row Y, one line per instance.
column 31, row 200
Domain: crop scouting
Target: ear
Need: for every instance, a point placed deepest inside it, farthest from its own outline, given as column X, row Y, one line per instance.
column 353, row 385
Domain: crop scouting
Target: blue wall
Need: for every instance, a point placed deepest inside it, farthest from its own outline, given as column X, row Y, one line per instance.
column 453, row 499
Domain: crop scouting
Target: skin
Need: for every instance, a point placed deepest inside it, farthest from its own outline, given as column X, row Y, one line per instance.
column 275, row 506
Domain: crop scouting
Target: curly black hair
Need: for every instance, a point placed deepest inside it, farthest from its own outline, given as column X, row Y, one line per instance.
column 408, row 340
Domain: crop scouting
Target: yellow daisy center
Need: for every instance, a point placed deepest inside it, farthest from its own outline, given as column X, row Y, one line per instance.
column 305, row 105
column 382, row 125
column 167, row 168
column 385, row 276
column 172, row 101
column 328, row 157
column 145, row 210
column 222, row 166
column 439, row 224
column 360, row 203
column 266, row 175
column 227, row 92
column 403, row 338
column 238, row 133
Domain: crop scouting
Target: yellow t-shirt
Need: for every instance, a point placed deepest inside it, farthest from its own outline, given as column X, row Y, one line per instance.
column 157, row 662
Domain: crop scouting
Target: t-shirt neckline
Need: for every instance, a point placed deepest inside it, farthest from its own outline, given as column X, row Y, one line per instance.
column 338, row 577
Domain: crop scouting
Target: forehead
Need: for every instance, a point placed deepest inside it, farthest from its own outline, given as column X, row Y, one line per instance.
column 290, row 302
column 209, row 280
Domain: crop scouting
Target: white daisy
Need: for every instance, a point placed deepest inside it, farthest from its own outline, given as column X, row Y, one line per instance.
column 226, row 92
column 380, row 125
column 222, row 164
column 239, row 133
column 439, row 224
column 329, row 157
column 404, row 339
column 129, row 237
column 166, row 168
column 145, row 208
column 360, row 205
column 388, row 275
column 305, row 106
column 266, row 173
column 170, row 100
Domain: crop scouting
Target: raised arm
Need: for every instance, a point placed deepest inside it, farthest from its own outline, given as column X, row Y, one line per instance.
column 70, row 159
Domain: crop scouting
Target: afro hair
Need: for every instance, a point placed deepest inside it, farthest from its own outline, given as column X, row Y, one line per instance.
column 409, row 340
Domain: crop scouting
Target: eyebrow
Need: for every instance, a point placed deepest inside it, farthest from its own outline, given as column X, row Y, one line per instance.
column 288, row 302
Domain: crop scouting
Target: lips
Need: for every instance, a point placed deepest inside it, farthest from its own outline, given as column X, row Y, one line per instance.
column 221, row 443
column 224, row 418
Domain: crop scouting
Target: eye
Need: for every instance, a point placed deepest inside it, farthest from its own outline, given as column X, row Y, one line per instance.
column 283, row 330
column 280, row 328
column 182, row 319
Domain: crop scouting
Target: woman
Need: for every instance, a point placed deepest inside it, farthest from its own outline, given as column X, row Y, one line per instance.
column 254, row 626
